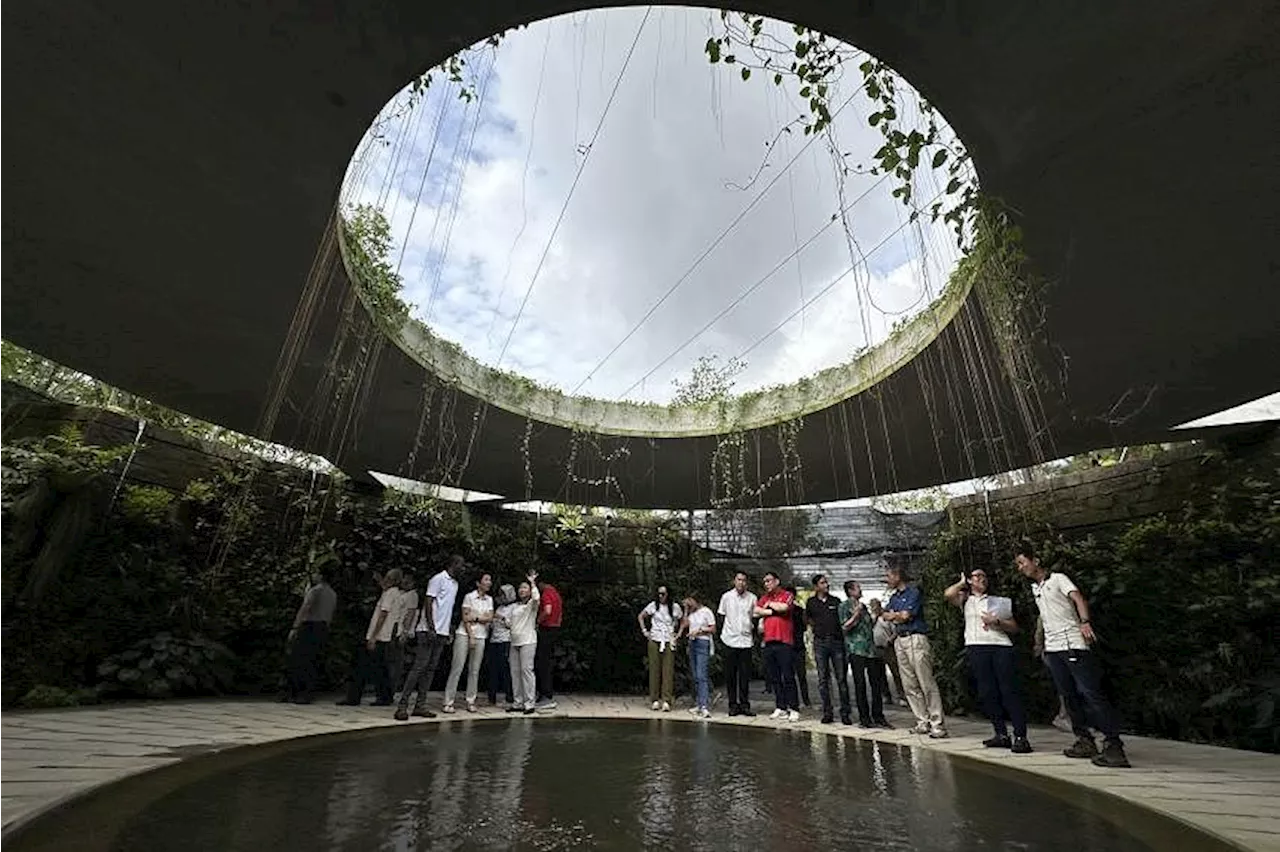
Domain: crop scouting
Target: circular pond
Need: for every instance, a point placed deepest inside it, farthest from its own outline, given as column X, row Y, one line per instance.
column 552, row 784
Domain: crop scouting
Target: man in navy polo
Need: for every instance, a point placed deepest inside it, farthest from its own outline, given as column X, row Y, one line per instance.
column 915, row 660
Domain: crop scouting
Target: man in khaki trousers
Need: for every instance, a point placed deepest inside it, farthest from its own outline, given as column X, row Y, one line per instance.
column 915, row 661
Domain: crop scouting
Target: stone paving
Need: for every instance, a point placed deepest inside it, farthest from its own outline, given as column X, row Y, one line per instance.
column 48, row 756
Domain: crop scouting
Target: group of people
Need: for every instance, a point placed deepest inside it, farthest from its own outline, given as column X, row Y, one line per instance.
column 860, row 639
column 516, row 631
column 512, row 634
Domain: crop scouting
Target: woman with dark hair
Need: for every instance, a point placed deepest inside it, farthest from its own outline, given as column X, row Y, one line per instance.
column 498, row 651
column 468, row 642
column 521, row 619
column 701, row 625
column 659, row 622
column 988, row 621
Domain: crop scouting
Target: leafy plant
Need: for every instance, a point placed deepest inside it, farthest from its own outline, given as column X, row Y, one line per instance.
column 146, row 504
column 166, row 665
column 43, row 697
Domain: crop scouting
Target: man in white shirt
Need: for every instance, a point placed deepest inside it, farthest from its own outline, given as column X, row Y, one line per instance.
column 373, row 661
column 431, row 634
column 736, row 632
column 1068, row 635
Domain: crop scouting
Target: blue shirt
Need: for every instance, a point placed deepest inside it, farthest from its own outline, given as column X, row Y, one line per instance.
column 909, row 600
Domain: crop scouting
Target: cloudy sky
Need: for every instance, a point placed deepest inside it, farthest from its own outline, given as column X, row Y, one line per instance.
column 474, row 192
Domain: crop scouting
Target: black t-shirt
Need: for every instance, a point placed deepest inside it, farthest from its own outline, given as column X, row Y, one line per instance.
column 824, row 615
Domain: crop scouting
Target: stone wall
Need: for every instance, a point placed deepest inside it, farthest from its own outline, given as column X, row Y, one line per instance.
column 1103, row 497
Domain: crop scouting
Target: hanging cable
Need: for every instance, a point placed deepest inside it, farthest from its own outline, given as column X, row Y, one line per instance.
column 825, row 289
column 576, row 178
column 706, row 253
column 524, row 181
column 794, row 255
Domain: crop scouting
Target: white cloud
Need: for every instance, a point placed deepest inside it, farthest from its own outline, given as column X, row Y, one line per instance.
column 652, row 198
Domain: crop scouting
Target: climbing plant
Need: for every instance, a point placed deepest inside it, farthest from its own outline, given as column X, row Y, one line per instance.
column 368, row 238
column 816, row 66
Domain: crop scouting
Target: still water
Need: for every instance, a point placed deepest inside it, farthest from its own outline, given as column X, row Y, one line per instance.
column 527, row 784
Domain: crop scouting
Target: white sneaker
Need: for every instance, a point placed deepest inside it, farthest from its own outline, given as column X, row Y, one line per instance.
column 778, row 714
column 448, row 708
column 666, row 707
column 704, row 712
column 697, row 711
column 921, row 728
column 793, row 716
column 657, row 705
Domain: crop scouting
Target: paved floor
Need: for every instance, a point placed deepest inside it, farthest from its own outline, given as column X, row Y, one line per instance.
column 49, row 755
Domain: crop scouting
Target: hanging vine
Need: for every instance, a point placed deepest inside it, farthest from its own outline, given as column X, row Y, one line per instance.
column 816, row 65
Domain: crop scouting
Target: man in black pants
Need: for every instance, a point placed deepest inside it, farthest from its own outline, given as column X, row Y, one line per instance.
column 308, row 637
column 737, row 636
column 550, row 614
column 822, row 613
column 774, row 611
column 1068, row 640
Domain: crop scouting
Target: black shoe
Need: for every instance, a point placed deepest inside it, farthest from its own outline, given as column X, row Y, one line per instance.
column 1112, row 757
column 735, row 712
column 746, row 711
column 1083, row 747
column 827, row 719
column 402, row 715
column 528, row 711
column 424, row 713
column 347, row 702
column 1021, row 746
column 881, row 723
column 865, row 724
column 285, row 699
column 846, row 720
column 998, row 741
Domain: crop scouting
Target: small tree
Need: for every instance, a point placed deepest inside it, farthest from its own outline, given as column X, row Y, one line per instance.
column 709, row 380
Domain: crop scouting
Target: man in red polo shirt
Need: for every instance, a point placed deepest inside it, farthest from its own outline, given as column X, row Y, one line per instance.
column 550, row 611
column 773, row 609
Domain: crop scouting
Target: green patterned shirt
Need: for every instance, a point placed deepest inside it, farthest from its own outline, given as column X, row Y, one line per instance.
column 860, row 640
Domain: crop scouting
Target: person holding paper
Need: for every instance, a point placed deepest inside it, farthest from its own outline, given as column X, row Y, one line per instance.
column 988, row 621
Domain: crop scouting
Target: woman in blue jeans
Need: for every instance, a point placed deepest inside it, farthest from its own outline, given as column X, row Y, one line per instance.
column 987, row 625
column 700, row 624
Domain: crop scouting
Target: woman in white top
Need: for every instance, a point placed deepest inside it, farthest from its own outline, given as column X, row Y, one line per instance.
column 701, row 625
column 991, row 658
column 498, row 650
column 522, row 620
column 468, row 643
column 659, row 622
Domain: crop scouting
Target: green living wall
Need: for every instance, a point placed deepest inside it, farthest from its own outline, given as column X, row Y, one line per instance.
column 112, row 590
column 1186, row 605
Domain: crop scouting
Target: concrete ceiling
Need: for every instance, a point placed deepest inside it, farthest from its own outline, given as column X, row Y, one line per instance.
column 170, row 169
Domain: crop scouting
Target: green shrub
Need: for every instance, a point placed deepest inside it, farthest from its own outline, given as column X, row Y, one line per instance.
column 167, row 665
column 146, row 504
column 42, row 696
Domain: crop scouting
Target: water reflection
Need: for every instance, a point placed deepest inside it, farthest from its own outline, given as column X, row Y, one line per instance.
column 549, row 785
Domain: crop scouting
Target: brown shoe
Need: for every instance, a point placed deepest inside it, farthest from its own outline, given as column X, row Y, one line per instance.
column 1083, row 747
column 1112, row 757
